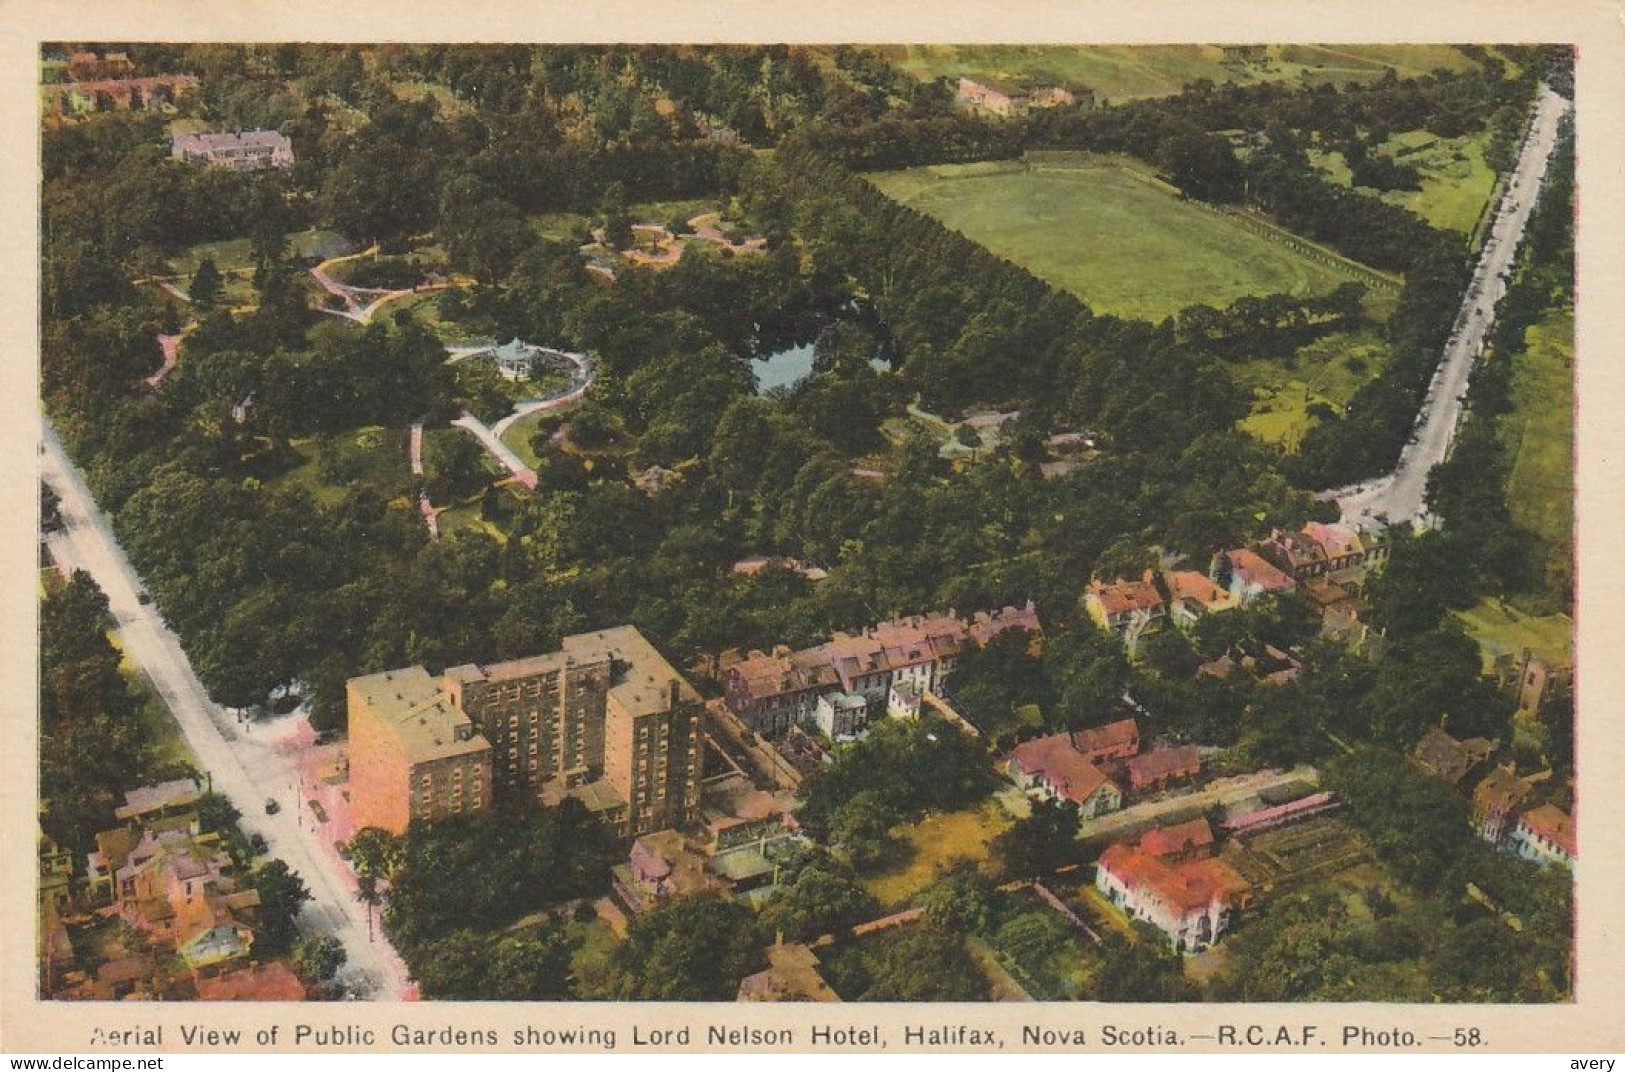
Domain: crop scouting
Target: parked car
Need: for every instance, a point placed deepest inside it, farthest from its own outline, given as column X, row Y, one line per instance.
column 271, row 806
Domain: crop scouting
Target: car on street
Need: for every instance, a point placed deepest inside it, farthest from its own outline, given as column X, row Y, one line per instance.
column 271, row 806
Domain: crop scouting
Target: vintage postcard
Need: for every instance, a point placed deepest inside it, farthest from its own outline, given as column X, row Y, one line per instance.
column 915, row 532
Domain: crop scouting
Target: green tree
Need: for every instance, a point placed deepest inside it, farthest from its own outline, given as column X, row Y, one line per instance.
column 281, row 892
column 206, row 283
column 1040, row 842
column 317, row 960
column 691, row 949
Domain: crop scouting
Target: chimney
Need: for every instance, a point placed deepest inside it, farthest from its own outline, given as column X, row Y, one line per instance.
column 676, row 694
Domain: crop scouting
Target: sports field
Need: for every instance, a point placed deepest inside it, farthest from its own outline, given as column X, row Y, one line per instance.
column 1115, row 72
column 1115, row 237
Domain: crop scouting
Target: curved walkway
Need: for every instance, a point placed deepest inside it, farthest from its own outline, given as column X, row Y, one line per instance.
column 490, row 436
column 356, row 307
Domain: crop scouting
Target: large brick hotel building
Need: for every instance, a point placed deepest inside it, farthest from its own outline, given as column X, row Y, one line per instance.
column 605, row 719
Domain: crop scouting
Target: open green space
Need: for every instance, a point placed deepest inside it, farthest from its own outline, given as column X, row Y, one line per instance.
column 234, row 254
column 331, row 465
column 1540, row 434
column 1115, row 72
column 1456, row 182
column 935, row 844
column 1124, row 243
column 1501, row 629
column 565, row 226
column 1328, row 371
column 519, row 434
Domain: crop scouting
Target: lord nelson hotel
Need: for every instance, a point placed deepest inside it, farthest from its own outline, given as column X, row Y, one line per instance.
column 606, row 719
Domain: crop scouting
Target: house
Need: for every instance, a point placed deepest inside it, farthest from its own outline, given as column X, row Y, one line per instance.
column 1442, row 756
column 1268, row 666
column 1051, row 97
column 1158, row 767
column 1494, row 802
column 160, row 798
column 1532, row 682
column 660, row 867
column 1192, row 902
column 1114, row 740
column 238, row 150
column 843, row 716
column 792, row 975
column 1247, row 576
column 274, row 981
column 980, row 95
column 1546, row 836
column 1182, row 841
column 772, row 692
column 1051, row 768
column 903, row 701
column 1191, row 595
column 1126, row 609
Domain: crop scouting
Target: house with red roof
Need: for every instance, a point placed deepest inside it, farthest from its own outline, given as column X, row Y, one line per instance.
column 1126, row 609
column 1191, row 901
column 1051, row 768
column 1182, row 841
column 1494, row 801
column 260, row 982
column 1546, row 836
column 1158, row 767
column 1191, row 595
column 1247, row 575
column 1114, row 740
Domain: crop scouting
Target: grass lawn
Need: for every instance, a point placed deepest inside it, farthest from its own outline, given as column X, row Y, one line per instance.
column 597, row 942
column 425, row 309
column 1115, row 72
column 1104, row 231
column 1328, row 370
column 169, row 747
column 518, row 434
column 563, row 226
column 1456, row 182
column 1540, row 433
column 1500, row 629
column 237, row 253
column 371, row 456
column 937, row 843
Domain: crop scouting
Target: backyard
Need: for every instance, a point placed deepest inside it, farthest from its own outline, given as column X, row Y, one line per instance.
column 934, row 844
column 1109, row 233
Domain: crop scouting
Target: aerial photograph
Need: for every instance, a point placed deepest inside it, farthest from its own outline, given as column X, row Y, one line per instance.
column 806, row 523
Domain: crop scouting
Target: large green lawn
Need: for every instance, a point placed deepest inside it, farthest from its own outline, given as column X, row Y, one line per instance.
column 1501, row 629
column 1096, row 227
column 1115, row 72
column 1328, row 370
column 1456, row 182
column 1540, row 432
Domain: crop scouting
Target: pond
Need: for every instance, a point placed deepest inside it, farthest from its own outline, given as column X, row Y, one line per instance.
column 783, row 367
column 787, row 367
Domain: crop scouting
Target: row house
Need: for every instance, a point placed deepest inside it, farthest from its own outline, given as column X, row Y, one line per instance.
column 1051, row 768
column 843, row 716
column 1546, row 836
column 909, row 656
column 772, row 692
column 1321, row 549
column 1190, row 901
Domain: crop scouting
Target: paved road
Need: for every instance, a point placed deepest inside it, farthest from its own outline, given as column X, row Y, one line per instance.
column 247, row 763
column 1225, row 791
column 1401, row 495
